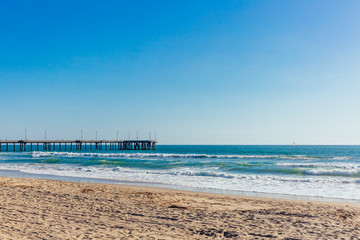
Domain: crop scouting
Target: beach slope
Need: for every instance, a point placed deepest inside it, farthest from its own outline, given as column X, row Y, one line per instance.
column 48, row 209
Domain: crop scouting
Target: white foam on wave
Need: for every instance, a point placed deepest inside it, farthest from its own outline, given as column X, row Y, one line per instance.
column 341, row 158
column 206, row 178
column 161, row 155
column 335, row 172
column 326, row 169
column 316, row 165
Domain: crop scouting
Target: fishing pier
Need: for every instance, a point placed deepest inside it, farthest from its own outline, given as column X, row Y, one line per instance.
column 51, row 145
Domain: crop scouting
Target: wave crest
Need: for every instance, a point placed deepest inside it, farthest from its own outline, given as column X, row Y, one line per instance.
column 38, row 154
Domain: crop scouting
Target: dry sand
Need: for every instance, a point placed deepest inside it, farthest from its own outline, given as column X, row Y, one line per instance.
column 48, row 209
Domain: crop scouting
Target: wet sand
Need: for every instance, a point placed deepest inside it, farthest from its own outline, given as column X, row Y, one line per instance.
column 49, row 209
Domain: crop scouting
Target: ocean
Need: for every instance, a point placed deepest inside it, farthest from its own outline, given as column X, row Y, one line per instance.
column 323, row 172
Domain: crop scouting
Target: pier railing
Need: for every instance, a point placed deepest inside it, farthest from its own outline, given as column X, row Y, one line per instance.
column 49, row 145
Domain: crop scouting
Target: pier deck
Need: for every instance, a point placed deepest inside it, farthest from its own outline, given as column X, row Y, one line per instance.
column 48, row 145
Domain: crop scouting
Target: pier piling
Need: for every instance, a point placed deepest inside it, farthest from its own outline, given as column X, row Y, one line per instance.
column 48, row 145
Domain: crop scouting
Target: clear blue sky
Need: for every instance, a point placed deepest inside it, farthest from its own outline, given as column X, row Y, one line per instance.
column 197, row 72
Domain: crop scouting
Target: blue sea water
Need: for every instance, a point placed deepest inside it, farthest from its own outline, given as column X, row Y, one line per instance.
column 313, row 171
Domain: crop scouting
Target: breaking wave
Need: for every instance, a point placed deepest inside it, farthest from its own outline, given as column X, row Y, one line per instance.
column 38, row 154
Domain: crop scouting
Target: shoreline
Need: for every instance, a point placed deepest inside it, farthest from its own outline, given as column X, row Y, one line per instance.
column 40, row 208
column 19, row 174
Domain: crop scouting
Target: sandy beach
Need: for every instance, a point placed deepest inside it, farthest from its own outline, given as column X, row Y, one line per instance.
column 48, row 209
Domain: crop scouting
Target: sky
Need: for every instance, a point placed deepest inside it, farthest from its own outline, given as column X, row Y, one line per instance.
column 196, row 72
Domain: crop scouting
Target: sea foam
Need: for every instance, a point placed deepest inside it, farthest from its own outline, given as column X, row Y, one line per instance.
column 38, row 154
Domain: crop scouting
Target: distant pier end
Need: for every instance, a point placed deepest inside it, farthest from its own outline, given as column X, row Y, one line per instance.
column 52, row 145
